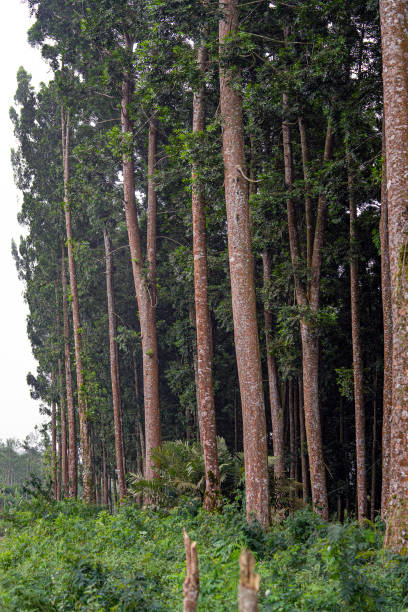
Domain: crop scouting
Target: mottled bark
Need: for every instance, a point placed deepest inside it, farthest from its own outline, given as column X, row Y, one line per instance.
column 145, row 282
column 274, row 399
column 206, row 407
column 308, row 298
column 387, row 326
column 394, row 30
column 242, row 283
column 114, row 368
column 87, row 467
column 356, row 344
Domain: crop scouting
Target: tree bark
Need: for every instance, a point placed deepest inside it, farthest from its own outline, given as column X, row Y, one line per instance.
column 274, row 399
column 114, row 368
column 206, row 408
column 248, row 583
column 309, row 300
column 145, row 284
column 394, row 30
column 87, row 467
column 72, row 442
column 387, row 326
column 357, row 358
column 242, row 283
column 303, row 457
column 191, row 586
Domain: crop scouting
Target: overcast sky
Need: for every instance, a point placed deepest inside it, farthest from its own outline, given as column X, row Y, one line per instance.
column 18, row 412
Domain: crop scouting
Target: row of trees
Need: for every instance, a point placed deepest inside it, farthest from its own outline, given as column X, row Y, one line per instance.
column 156, row 116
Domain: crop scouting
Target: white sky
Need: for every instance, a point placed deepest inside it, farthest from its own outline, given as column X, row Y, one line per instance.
column 18, row 412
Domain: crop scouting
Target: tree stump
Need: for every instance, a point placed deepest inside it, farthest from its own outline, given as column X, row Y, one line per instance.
column 191, row 583
column 248, row 583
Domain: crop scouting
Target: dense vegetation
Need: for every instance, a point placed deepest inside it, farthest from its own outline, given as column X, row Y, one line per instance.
column 68, row 556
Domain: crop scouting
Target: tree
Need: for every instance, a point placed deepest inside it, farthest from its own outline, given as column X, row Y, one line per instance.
column 242, row 282
column 394, row 24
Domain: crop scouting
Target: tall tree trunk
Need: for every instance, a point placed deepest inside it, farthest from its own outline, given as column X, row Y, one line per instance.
column 394, row 30
column 63, row 462
column 114, row 367
column 72, row 441
column 145, row 284
column 274, row 399
column 387, row 325
column 308, row 199
column 105, row 486
column 303, row 457
column 202, row 315
column 291, row 431
column 63, row 426
column 87, row 467
column 59, row 458
column 54, row 445
column 356, row 342
column 242, row 283
column 309, row 300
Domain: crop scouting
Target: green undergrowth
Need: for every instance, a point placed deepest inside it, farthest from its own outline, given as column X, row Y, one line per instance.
column 66, row 556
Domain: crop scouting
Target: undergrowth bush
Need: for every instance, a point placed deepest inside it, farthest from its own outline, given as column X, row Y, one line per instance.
column 68, row 556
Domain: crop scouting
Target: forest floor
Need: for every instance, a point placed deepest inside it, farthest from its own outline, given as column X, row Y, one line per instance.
column 66, row 556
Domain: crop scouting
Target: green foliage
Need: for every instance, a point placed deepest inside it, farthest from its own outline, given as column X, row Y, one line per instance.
column 66, row 556
column 181, row 472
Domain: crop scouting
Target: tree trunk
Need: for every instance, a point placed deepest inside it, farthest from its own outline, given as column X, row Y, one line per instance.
column 114, row 368
column 145, row 284
column 394, row 30
column 248, row 583
column 105, row 486
column 72, row 442
column 191, row 586
column 387, row 325
column 357, row 358
column 309, row 300
column 274, row 399
column 54, row 446
column 87, row 467
column 308, row 199
column 63, row 426
column 242, row 283
column 291, row 431
column 202, row 315
column 303, row 457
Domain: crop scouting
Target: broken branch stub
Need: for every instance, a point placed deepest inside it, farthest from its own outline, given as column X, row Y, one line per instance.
column 248, row 583
column 191, row 583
